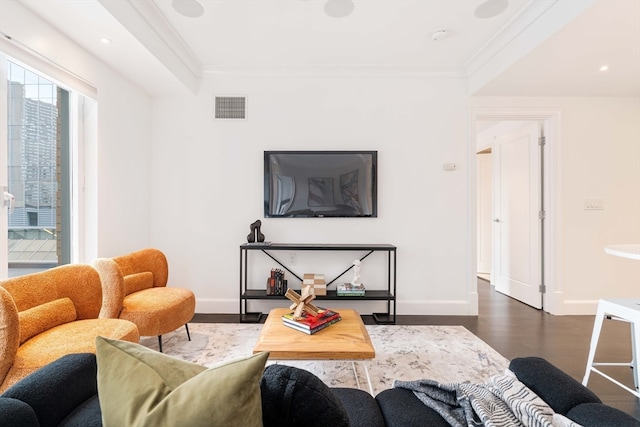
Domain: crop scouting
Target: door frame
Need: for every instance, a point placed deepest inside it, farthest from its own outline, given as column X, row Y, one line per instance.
column 4, row 217
column 551, row 117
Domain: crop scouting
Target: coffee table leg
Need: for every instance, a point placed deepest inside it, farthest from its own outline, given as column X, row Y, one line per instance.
column 366, row 372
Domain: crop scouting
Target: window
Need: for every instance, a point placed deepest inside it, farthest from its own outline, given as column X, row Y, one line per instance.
column 37, row 167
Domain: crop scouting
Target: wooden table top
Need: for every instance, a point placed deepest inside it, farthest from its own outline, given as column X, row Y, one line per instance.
column 347, row 339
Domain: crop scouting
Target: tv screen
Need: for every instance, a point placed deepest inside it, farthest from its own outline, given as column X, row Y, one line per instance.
column 308, row 184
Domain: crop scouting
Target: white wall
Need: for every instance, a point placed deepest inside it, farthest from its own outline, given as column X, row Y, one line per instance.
column 207, row 183
column 117, row 168
column 598, row 156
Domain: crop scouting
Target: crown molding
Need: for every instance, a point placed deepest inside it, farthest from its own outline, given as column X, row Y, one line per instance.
column 334, row 70
column 536, row 22
column 146, row 22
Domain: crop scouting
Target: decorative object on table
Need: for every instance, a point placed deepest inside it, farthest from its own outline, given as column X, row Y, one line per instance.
column 311, row 324
column 302, row 302
column 276, row 283
column 317, row 283
column 350, row 290
column 255, row 236
column 357, row 271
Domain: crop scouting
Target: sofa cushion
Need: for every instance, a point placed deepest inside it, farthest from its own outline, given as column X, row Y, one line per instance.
column 295, row 397
column 137, row 282
column 73, row 337
column 139, row 386
column 87, row 414
column 600, row 415
column 57, row 389
column 42, row 317
column 16, row 413
column 554, row 386
column 362, row 409
column 401, row 408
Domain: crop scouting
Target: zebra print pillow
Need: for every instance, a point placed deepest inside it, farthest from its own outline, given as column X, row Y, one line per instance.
column 527, row 406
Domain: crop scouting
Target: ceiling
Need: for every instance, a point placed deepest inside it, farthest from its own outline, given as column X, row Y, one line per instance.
column 165, row 52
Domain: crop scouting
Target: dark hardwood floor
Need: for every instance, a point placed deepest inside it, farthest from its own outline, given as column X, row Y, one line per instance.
column 515, row 329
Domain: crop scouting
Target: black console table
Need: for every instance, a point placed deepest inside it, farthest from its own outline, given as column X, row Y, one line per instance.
column 388, row 295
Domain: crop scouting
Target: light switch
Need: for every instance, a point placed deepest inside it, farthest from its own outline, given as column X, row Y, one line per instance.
column 450, row 166
column 593, row 204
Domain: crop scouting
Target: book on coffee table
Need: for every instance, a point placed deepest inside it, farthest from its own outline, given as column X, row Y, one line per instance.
column 311, row 324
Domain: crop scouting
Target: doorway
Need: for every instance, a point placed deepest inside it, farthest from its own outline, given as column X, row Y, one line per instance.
column 513, row 203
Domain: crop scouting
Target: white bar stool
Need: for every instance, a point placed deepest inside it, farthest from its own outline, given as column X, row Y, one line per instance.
column 627, row 310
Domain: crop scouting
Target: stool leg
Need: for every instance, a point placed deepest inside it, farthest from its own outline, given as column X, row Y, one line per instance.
column 597, row 327
column 635, row 353
column 160, row 342
column 186, row 325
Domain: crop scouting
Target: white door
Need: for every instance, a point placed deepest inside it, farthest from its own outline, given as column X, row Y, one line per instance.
column 517, row 224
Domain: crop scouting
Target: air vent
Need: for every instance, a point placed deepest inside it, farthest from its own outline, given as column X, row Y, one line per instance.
column 231, row 107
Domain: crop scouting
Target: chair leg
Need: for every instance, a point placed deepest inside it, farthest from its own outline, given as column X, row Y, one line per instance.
column 186, row 325
column 160, row 342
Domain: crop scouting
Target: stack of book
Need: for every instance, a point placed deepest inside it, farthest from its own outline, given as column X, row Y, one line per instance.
column 311, row 324
column 317, row 283
column 349, row 290
column 276, row 284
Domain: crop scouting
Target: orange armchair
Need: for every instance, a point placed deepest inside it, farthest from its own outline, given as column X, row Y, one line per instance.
column 135, row 288
column 46, row 315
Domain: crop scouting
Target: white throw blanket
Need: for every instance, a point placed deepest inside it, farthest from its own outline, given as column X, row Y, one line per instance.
column 502, row 401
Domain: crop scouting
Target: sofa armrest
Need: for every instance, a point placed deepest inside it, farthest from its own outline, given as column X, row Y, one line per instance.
column 557, row 388
column 16, row 413
column 601, row 415
column 9, row 334
column 57, row 389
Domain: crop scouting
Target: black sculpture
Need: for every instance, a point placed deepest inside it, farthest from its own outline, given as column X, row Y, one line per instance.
column 255, row 235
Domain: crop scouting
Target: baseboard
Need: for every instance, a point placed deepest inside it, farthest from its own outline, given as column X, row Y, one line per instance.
column 580, row 307
column 439, row 308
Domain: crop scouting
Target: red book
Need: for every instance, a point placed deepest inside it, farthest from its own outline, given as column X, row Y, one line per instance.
column 308, row 323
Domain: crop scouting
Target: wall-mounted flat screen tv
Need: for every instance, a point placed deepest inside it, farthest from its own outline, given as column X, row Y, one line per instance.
column 316, row 184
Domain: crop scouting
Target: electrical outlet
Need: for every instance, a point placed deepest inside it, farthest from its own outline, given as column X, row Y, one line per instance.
column 293, row 258
column 450, row 166
column 593, row 204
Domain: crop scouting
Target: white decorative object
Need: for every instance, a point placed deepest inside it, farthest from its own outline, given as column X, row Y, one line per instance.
column 356, row 273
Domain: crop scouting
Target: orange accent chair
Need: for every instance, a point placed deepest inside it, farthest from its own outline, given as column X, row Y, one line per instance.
column 46, row 315
column 135, row 288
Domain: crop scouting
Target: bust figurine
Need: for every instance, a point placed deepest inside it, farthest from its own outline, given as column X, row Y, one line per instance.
column 356, row 273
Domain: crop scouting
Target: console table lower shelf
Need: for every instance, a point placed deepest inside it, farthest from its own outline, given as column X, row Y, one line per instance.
column 380, row 318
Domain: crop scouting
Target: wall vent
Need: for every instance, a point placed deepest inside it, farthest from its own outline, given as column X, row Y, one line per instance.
column 230, row 107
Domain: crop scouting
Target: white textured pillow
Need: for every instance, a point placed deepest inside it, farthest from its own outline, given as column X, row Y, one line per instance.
column 560, row 420
column 528, row 407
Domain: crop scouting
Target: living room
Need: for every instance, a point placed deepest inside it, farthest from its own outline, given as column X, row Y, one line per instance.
column 175, row 169
column 160, row 171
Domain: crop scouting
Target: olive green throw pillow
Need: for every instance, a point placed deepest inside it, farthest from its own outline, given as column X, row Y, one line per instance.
column 138, row 386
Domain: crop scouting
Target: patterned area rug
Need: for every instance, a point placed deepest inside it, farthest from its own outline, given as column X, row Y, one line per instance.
column 441, row 353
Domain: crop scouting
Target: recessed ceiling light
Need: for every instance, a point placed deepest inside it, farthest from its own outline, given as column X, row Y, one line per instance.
column 188, row 8
column 604, row 68
column 105, row 40
column 338, row 8
column 491, row 8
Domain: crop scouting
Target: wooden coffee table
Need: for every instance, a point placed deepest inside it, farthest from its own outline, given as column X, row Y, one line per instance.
column 347, row 339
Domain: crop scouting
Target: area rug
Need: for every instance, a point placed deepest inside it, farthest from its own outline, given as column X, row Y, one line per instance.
column 441, row 353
